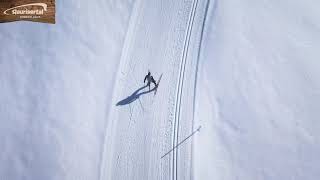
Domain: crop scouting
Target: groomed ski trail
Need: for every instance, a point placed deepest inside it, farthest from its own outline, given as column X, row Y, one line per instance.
column 163, row 36
column 180, row 90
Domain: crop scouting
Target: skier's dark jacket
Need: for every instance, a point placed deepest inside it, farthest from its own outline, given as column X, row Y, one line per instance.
column 149, row 78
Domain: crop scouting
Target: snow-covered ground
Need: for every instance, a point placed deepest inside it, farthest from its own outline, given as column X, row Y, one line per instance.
column 238, row 98
column 258, row 91
column 56, row 86
column 163, row 37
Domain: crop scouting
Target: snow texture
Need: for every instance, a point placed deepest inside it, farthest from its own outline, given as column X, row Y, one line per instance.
column 56, row 85
column 258, row 91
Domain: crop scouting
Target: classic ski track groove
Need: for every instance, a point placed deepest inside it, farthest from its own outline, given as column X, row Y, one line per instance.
column 178, row 101
column 180, row 90
column 204, row 22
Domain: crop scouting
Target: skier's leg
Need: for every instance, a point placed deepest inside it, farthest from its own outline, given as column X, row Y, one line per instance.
column 154, row 82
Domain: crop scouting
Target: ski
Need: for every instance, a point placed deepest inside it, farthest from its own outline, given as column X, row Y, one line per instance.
column 156, row 88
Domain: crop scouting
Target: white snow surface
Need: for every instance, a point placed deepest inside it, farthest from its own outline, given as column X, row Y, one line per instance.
column 238, row 96
column 56, row 86
column 258, row 91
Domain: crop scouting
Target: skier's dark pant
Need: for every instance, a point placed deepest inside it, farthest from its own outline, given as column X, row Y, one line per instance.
column 153, row 81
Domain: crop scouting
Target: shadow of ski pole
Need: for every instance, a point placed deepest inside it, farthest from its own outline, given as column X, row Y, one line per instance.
column 197, row 130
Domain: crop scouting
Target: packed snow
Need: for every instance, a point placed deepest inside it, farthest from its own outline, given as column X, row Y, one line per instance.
column 238, row 96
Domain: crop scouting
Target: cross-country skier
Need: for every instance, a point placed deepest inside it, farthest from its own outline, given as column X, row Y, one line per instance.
column 150, row 80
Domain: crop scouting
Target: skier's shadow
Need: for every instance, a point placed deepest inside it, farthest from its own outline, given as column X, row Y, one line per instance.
column 134, row 96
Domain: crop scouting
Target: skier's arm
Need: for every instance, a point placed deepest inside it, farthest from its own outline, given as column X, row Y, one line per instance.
column 144, row 81
column 154, row 82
